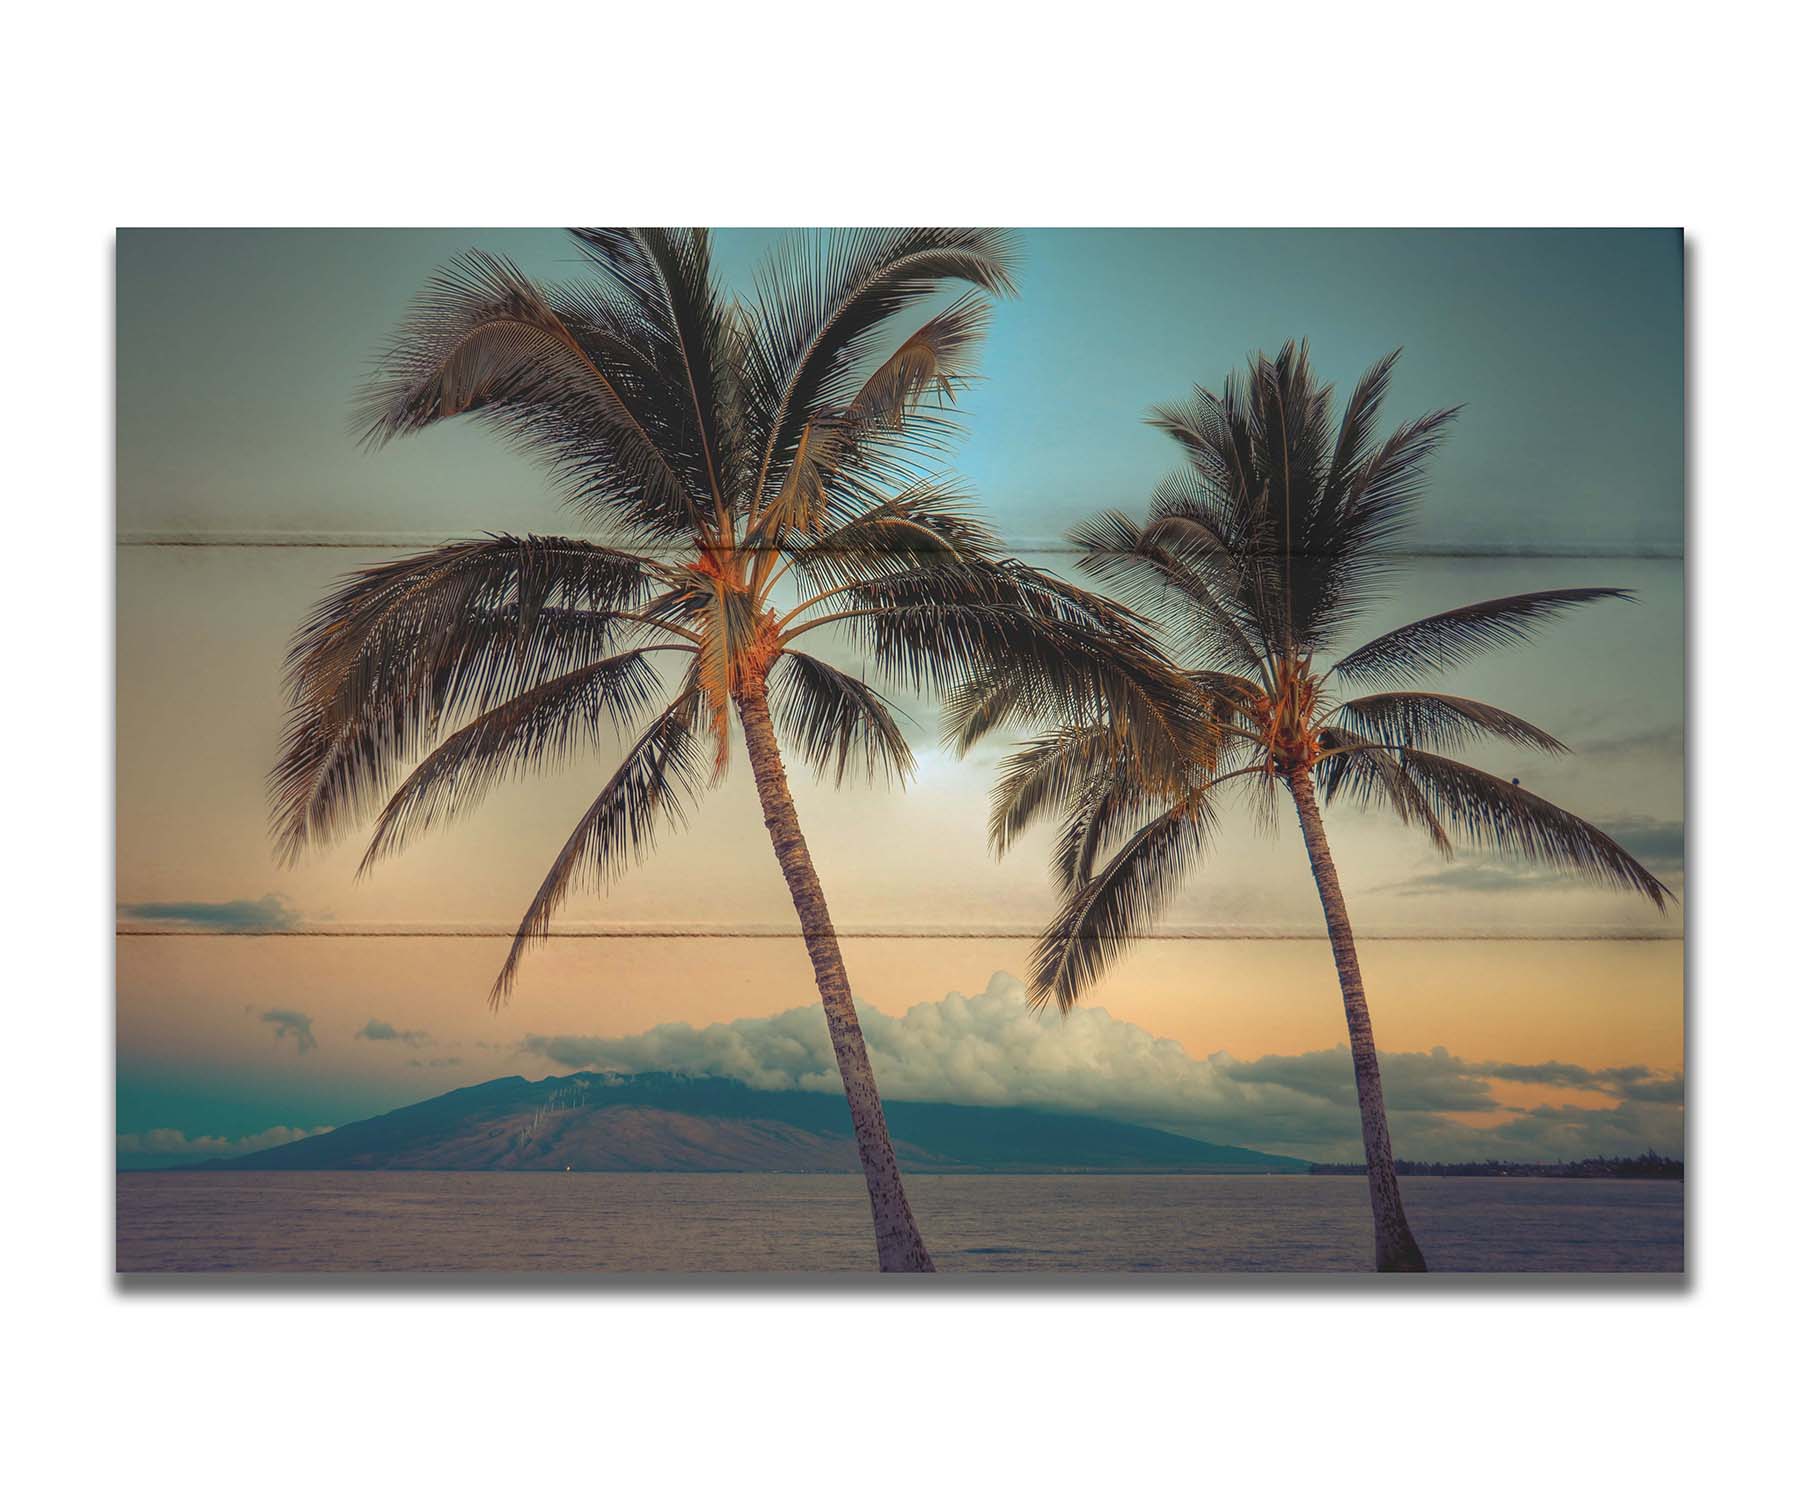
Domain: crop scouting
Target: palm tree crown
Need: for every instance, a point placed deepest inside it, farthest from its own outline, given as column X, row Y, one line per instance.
column 1254, row 560
column 753, row 472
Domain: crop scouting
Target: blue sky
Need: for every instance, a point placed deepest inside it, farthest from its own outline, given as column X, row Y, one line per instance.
column 1564, row 346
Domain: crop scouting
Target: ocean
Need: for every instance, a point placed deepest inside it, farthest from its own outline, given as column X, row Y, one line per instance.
column 767, row 1222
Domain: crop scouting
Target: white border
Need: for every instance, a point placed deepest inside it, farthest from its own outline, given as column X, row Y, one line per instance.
column 1415, row 114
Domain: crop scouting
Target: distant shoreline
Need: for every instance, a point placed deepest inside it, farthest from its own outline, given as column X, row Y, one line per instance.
column 1646, row 1168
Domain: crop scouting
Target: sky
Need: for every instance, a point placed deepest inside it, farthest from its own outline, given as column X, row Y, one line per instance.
column 241, row 496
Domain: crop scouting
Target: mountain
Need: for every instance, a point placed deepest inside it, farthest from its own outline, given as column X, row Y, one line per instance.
column 665, row 1122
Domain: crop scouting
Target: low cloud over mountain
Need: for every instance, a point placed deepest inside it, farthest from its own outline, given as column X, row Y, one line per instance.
column 176, row 1145
column 990, row 1049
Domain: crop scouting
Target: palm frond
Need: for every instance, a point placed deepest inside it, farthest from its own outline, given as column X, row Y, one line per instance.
column 837, row 722
column 1227, row 693
column 682, row 262
column 1437, row 721
column 1178, row 569
column 1347, row 549
column 567, row 386
column 1098, row 920
column 1213, row 430
column 658, row 780
column 691, row 336
column 822, row 303
column 1227, row 438
column 1495, row 815
column 539, row 729
column 1046, row 774
column 1439, row 642
column 398, row 649
column 1290, row 424
column 934, row 360
column 851, row 458
column 1001, row 695
column 929, row 523
column 1356, row 428
column 803, row 503
column 1094, row 816
column 935, row 629
column 1366, row 772
column 998, row 696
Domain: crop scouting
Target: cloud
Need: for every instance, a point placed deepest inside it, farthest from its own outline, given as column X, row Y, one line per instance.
column 1427, row 1081
column 1479, row 877
column 382, row 1031
column 1567, row 1132
column 435, row 1062
column 1664, row 739
column 178, row 1143
column 271, row 914
column 1634, row 1082
column 992, row 1049
column 292, row 1023
column 1659, row 843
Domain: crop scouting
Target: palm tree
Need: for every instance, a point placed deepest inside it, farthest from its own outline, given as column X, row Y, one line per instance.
column 754, row 472
column 1255, row 558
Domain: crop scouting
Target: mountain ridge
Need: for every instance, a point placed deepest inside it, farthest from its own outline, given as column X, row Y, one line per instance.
column 652, row 1122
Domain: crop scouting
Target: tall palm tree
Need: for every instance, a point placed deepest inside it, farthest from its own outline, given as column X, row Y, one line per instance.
column 1255, row 558
column 754, row 472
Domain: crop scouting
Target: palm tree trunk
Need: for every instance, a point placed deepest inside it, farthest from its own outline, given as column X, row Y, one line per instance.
column 897, row 1239
column 1395, row 1247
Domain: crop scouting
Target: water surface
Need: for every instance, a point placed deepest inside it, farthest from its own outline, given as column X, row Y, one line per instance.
column 590, row 1222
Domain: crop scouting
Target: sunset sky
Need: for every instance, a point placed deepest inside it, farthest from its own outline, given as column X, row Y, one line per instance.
column 1523, row 1014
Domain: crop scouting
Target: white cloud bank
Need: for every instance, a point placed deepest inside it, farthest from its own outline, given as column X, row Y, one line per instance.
column 991, row 1048
column 178, row 1143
